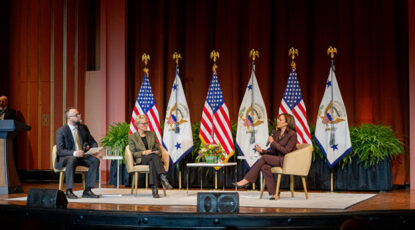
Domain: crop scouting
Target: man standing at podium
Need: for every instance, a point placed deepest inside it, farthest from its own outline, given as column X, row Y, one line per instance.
column 72, row 141
column 5, row 112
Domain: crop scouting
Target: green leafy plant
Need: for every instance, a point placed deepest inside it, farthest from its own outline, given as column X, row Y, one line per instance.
column 117, row 138
column 372, row 144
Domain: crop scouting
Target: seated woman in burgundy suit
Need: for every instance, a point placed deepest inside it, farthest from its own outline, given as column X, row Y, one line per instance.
column 282, row 142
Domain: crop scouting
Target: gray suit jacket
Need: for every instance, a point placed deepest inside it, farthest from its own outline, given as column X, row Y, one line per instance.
column 137, row 147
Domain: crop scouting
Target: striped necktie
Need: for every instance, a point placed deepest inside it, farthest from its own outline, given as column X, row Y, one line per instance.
column 77, row 139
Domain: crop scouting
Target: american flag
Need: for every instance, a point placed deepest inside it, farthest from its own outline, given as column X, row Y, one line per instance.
column 292, row 103
column 146, row 105
column 215, row 127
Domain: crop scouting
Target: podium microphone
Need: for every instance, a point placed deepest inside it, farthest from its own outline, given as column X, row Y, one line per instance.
column 272, row 134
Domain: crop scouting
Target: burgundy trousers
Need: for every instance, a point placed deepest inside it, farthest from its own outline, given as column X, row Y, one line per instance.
column 264, row 164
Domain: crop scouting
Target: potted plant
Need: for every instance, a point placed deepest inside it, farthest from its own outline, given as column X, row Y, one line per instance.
column 116, row 140
column 373, row 144
column 210, row 153
column 366, row 167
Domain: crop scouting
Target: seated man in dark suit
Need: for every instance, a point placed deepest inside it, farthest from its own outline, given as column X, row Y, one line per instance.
column 72, row 141
column 6, row 113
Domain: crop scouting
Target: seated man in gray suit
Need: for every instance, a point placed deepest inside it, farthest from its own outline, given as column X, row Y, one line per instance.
column 72, row 141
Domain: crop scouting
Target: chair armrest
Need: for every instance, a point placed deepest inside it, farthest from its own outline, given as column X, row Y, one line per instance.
column 129, row 159
column 298, row 162
column 165, row 157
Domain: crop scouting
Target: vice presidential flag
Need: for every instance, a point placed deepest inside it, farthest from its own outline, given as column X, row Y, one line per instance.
column 292, row 103
column 215, row 127
column 146, row 105
column 177, row 134
column 252, row 122
column 332, row 128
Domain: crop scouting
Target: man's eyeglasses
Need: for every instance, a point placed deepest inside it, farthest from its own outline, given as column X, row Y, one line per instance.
column 76, row 115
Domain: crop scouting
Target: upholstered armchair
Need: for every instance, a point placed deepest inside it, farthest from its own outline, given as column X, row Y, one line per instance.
column 79, row 169
column 137, row 169
column 296, row 163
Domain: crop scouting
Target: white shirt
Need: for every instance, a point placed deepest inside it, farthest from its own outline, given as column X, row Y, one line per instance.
column 74, row 138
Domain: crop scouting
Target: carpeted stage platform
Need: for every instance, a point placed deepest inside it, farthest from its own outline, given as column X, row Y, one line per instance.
column 390, row 210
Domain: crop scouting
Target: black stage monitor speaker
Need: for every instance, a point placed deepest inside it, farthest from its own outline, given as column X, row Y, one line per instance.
column 222, row 202
column 46, row 198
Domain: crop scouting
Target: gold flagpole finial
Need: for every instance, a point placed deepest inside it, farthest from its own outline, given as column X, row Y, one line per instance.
column 293, row 52
column 253, row 54
column 177, row 57
column 331, row 51
column 214, row 55
column 145, row 58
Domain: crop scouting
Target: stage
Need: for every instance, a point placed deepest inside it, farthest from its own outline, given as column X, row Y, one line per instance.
column 392, row 209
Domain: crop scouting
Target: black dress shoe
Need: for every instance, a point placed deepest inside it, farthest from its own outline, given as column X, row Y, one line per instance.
column 89, row 194
column 69, row 194
column 155, row 192
column 165, row 182
column 241, row 186
column 272, row 198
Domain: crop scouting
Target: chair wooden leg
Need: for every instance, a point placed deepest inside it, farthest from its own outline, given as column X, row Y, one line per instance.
column 133, row 184
column 136, row 183
column 83, row 180
column 61, row 175
column 164, row 190
column 305, row 187
column 276, row 196
column 292, row 185
column 262, row 189
column 146, row 180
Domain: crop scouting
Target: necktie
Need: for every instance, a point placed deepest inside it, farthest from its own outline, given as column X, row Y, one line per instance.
column 77, row 139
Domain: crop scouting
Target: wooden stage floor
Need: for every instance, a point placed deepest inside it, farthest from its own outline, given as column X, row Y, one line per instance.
column 400, row 199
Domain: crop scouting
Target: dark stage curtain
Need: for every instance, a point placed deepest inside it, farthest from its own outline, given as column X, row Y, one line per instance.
column 371, row 67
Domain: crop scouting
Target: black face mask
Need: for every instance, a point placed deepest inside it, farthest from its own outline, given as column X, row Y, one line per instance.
column 77, row 123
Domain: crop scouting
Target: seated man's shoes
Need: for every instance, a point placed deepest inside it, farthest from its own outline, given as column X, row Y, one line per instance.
column 165, row 182
column 155, row 192
column 70, row 195
column 89, row 194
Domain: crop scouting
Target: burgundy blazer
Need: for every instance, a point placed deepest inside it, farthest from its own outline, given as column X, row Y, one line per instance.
column 282, row 144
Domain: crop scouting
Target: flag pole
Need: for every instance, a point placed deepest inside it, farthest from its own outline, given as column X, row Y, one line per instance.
column 214, row 55
column 253, row 54
column 145, row 58
column 176, row 58
column 331, row 51
column 292, row 52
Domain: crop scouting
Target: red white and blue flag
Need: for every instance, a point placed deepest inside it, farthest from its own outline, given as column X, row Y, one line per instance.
column 146, row 105
column 292, row 103
column 215, row 126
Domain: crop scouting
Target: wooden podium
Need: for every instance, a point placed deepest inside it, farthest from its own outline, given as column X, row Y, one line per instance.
column 9, row 180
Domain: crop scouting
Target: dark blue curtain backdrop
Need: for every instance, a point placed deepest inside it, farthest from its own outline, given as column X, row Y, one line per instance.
column 371, row 66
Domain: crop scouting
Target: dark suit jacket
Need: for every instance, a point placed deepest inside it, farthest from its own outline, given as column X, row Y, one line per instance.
column 65, row 143
column 137, row 146
column 9, row 114
column 282, row 144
